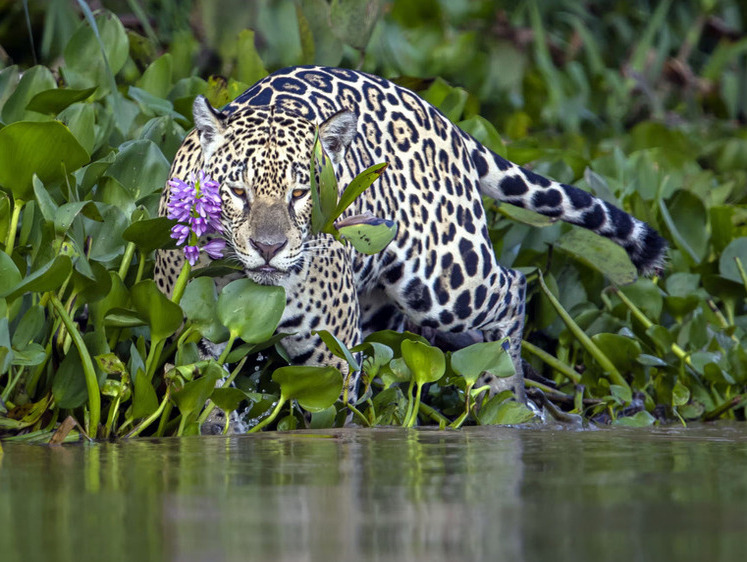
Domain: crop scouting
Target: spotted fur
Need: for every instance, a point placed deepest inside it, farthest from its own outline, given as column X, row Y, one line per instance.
column 439, row 273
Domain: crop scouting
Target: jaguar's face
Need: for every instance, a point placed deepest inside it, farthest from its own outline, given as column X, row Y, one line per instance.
column 261, row 158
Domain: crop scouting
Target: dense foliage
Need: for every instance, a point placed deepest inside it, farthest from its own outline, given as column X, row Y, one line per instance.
column 641, row 103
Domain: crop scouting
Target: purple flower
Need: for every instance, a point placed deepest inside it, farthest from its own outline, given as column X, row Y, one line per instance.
column 196, row 206
column 192, row 253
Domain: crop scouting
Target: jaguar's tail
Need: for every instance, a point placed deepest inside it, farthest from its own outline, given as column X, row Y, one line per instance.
column 505, row 181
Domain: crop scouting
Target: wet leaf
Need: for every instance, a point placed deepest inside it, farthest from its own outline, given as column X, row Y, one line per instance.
column 315, row 388
column 34, row 81
column 639, row 419
column 144, row 399
column 499, row 411
column 470, row 362
column 163, row 316
column 370, row 237
column 49, row 277
column 150, row 234
column 199, row 304
column 427, row 363
column 228, row 399
column 251, row 311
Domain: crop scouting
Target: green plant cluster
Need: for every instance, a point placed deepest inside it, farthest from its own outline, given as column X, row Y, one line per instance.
column 655, row 125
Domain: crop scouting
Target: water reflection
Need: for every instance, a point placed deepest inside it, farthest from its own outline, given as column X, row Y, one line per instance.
column 477, row 494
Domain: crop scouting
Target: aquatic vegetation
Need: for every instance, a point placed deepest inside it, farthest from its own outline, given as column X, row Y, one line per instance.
column 85, row 147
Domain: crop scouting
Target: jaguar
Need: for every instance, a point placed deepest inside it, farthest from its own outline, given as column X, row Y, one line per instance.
column 439, row 273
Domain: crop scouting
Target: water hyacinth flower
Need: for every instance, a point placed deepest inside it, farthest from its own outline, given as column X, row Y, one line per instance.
column 196, row 205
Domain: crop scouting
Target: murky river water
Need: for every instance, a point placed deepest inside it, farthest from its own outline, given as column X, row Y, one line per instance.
column 478, row 494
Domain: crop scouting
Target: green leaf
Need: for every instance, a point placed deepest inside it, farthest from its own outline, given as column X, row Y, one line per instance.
column 156, row 80
column 56, row 99
column 360, row 183
column 338, row 348
column 370, row 237
column 315, row 388
column 49, row 277
column 199, row 304
column 163, row 316
column 249, row 66
column 65, row 214
column 228, row 399
column 84, row 63
column 353, row 21
column 680, row 394
column 427, row 363
column 69, row 384
column 31, row 355
column 251, row 311
column 29, row 327
column 600, row 254
column 110, row 364
column 499, row 411
column 639, row 419
column 727, row 264
column 150, row 234
column 48, row 150
column 621, row 350
column 687, row 228
column 470, row 362
column 144, row 399
column 10, row 277
column 140, row 167
column 34, row 80
column 6, row 351
column 192, row 396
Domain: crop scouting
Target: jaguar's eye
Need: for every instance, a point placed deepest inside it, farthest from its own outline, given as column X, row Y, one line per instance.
column 298, row 193
column 238, row 191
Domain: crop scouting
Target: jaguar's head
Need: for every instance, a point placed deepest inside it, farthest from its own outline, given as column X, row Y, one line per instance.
column 260, row 156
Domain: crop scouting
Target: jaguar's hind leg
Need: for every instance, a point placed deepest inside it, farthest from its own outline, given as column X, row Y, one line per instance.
column 508, row 321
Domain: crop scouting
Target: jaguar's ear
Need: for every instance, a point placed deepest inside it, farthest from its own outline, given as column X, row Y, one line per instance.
column 210, row 125
column 337, row 132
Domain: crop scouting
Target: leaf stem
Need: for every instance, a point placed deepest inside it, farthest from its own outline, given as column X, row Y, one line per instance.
column 270, row 418
column 181, row 283
column 584, row 339
column 92, row 383
column 126, row 259
column 11, row 239
column 553, row 362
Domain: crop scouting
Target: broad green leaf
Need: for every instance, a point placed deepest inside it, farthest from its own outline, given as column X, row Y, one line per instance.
column 639, row 419
column 49, row 277
column 34, row 80
column 48, row 150
column 727, row 264
column 144, row 399
column 315, row 388
column 152, row 105
column 10, row 277
column 6, row 351
column 31, row 355
column 338, row 348
column 393, row 339
column 69, row 383
column 84, row 63
column 376, row 356
column 192, row 396
column 685, row 217
column 65, row 214
column 600, row 254
column 251, row 311
column 427, row 363
column 621, row 350
column 150, row 234
column 156, row 80
column 470, row 362
column 80, row 118
column 353, row 21
column 140, row 167
column 370, row 237
column 249, row 66
column 680, row 394
column 360, row 183
column 199, row 304
column 485, row 133
column 499, row 411
column 110, row 364
column 228, row 399
column 163, row 316
column 29, row 327
column 56, row 99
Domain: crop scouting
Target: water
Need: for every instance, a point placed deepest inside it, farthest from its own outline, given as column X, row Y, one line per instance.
column 478, row 494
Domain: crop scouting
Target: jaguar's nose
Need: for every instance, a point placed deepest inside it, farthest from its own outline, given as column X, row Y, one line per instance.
column 268, row 251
